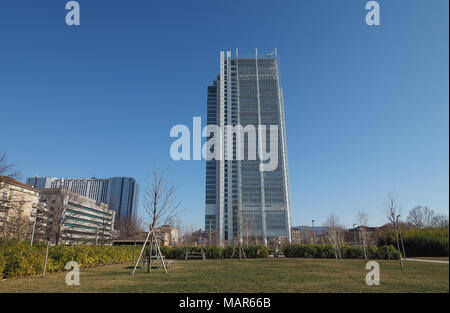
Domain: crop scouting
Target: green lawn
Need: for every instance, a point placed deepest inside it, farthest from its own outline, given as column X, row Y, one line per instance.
column 253, row 275
column 443, row 258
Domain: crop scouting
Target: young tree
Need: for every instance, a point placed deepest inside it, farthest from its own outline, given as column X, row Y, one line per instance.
column 159, row 200
column 247, row 226
column 392, row 211
column 363, row 220
column 54, row 216
column 160, row 204
column 335, row 234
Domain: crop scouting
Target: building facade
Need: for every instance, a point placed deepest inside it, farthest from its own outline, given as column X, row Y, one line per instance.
column 120, row 193
column 296, row 236
column 18, row 206
column 167, row 235
column 240, row 196
column 81, row 219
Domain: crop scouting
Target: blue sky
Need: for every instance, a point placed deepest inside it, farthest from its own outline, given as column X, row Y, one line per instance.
column 366, row 107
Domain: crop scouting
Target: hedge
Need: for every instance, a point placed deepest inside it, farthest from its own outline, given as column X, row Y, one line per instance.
column 427, row 242
column 18, row 259
column 326, row 252
column 215, row 252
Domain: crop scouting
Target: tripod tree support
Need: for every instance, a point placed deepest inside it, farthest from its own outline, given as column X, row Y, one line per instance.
column 158, row 251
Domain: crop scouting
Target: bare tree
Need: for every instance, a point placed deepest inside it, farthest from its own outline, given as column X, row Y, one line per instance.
column 440, row 221
column 421, row 217
column 335, row 234
column 14, row 223
column 104, row 229
column 159, row 200
column 53, row 227
column 7, row 224
column 186, row 235
column 160, row 204
column 392, row 211
column 56, row 214
column 247, row 226
column 363, row 220
column 307, row 234
column 7, row 168
column 130, row 229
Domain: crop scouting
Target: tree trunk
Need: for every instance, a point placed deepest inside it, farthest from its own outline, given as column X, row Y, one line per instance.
column 46, row 257
column 150, row 250
column 398, row 247
column 134, row 251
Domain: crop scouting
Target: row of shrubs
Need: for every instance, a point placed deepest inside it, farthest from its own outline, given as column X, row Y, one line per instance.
column 386, row 252
column 215, row 252
column 420, row 242
column 18, row 259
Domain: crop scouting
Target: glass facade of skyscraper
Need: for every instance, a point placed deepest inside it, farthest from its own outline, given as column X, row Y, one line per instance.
column 242, row 201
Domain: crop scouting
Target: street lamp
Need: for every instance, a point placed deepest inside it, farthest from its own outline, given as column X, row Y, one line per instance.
column 354, row 233
column 314, row 232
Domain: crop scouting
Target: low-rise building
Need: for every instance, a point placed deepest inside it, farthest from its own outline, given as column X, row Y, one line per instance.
column 167, row 234
column 199, row 238
column 354, row 236
column 68, row 217
column 18, row 205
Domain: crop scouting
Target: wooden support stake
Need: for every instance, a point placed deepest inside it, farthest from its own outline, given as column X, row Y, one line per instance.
column 140, row 254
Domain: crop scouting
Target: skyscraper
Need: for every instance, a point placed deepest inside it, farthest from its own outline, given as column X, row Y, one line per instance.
column 243, row 200
column 120, row 193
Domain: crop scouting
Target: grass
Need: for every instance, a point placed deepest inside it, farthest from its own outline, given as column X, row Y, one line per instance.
column 443, row 258
column 253, row 275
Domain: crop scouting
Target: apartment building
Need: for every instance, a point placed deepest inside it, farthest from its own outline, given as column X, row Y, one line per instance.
column 18, row 205
column 120, row 193
column 81, row 219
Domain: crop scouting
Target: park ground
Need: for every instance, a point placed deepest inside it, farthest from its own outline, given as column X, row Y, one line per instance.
column 252, row 275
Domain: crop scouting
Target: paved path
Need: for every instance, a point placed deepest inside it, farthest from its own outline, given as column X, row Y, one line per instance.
column 430, row 261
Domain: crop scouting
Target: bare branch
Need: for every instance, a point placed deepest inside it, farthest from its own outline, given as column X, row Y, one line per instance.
column 159, row 200
column 7, row 168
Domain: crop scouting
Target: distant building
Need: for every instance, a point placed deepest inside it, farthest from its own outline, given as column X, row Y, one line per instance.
column 310, row 234
column 199, row 238
column 120, row 193
column 296, row 236
column 83, row 219
column 353, row 236
column 167, row 234
column 18, row 205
